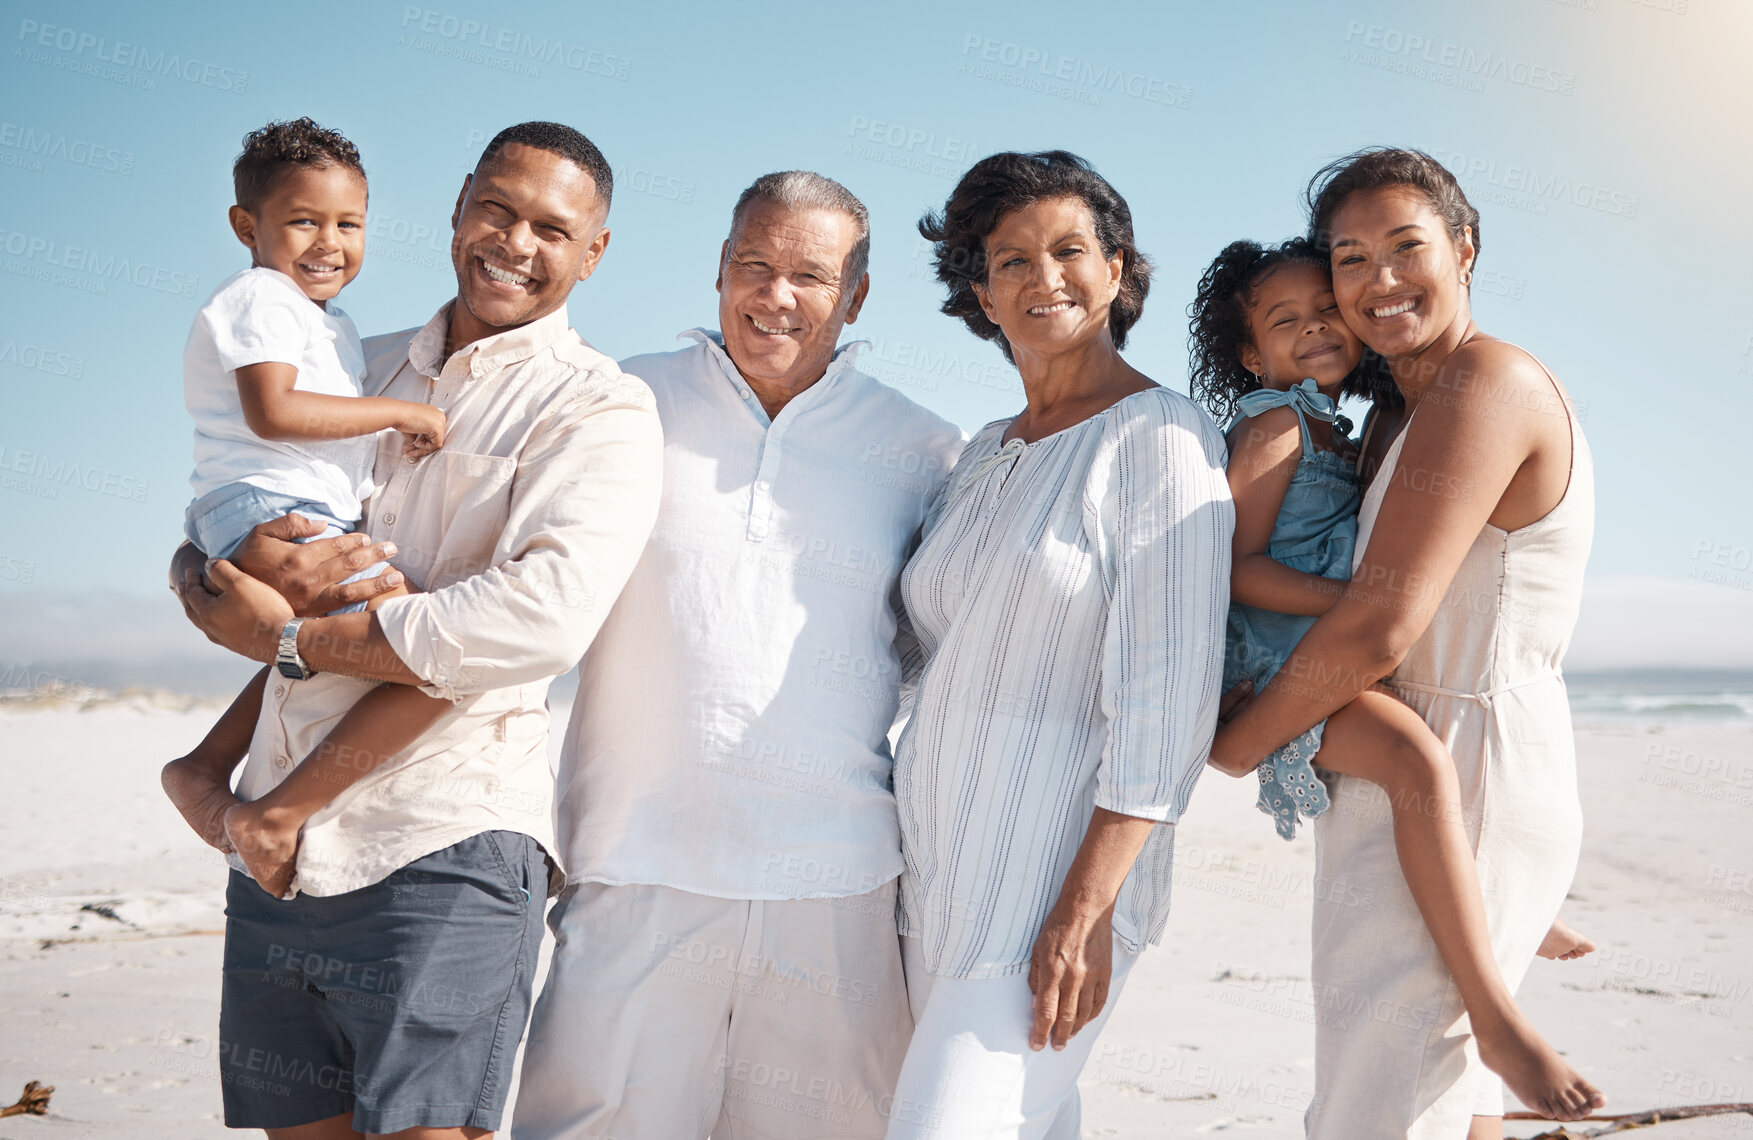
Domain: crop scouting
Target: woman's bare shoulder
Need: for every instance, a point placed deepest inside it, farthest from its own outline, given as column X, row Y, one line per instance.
column 1486, row 367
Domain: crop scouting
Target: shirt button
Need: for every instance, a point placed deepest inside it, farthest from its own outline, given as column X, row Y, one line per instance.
column 390, row 518
column 762, row 485
column 279, row 690
column 280, row 761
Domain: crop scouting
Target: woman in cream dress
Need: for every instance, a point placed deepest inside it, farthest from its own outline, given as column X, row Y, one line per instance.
column 1472, row 541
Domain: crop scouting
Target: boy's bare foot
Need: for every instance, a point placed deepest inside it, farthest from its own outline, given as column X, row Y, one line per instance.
column 1533, row 1070
column 267, row 842
column 200, row 796
column 1564, row 942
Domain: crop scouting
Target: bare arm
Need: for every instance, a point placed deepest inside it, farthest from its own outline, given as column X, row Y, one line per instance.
column 354, row 646
column 275, row 409
column 1462, row 450
column 1264, row 454
column 246, row 617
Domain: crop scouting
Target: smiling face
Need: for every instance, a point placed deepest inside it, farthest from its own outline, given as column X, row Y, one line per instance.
column 1048, row 285
column 528, row 226
column 1294, row 321
column 782, row 293
column 311, row 227
column 1396, row 272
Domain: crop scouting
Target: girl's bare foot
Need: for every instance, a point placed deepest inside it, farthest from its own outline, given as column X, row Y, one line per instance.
column 1533, row 1070
column 1564, row 942
column 201, row 797
column 267, row 842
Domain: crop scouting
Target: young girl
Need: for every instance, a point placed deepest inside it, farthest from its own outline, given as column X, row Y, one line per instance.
column 1268, row 347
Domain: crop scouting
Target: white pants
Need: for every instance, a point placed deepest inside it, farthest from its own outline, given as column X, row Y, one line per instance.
column 970, row 1074
column 669, row 1015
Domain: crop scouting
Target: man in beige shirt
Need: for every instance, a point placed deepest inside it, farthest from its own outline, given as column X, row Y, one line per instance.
column 389, row 994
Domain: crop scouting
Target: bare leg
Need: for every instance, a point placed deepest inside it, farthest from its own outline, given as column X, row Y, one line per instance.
column 380, row 724
column 1380, row 739
column 1485, row 1128
column 1564, row 942
column 334, row 1128
column 435, row 1134
column 199, row 784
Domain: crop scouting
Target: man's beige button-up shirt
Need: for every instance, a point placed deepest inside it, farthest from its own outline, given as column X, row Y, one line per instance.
column 519, row 532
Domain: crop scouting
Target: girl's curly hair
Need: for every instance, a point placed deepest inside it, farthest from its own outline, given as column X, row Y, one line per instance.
column 1218, row 327
column 1001, row 183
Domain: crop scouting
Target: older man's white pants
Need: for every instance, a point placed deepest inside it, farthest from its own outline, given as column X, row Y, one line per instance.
column 669, row 1015
column 970, row 1074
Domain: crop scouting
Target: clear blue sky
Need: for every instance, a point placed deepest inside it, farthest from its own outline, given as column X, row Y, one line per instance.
column 1605, row 142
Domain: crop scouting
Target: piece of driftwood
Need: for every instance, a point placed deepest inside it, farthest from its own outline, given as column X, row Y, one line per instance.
column 1625, row 1122
column 34, row 1101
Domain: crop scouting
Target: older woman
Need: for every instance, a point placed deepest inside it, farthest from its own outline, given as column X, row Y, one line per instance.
column 1069, row 593
column 1472, row 540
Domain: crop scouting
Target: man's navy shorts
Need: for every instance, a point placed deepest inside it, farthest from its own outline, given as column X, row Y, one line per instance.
column 401, row 1003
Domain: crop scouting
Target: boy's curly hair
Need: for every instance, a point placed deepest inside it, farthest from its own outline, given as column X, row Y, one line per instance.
column 1218, row 327
column 268, row 152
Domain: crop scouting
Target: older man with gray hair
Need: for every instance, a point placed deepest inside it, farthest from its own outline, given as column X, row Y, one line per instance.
column 726, row 957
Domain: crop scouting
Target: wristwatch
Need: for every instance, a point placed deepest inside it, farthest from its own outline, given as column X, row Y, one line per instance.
column 287, row 659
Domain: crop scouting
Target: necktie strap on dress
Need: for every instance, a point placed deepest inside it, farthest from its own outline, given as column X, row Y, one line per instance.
column 1485, row 698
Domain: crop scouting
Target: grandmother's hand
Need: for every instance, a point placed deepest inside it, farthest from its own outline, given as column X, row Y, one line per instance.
column 1069, row 972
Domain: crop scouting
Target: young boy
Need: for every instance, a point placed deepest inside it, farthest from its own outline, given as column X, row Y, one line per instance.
column 271, row 374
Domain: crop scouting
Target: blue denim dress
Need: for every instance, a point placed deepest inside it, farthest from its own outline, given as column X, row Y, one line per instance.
column 1316, row 532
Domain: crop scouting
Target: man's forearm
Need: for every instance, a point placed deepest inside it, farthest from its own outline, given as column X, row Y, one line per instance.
column 352, row 645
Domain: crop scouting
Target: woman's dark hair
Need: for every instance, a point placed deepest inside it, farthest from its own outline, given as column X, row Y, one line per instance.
column 1218, row 327
column 270, row 151
column 1001, row 183
column 1377, row 167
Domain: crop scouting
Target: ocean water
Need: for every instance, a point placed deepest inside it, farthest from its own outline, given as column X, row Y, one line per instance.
column 1667, row 696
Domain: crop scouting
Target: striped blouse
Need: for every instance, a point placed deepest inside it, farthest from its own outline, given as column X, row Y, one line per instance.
column 1069, row 597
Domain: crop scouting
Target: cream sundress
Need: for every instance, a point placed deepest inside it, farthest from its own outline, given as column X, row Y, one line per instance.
column 1393, row 1054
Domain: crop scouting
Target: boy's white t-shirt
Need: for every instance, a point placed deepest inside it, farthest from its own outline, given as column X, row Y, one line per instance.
column 260, row 316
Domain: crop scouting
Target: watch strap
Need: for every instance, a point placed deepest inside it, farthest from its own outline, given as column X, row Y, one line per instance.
column 286, row 659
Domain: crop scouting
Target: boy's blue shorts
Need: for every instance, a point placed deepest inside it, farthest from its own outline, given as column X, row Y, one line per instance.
column 219, row 520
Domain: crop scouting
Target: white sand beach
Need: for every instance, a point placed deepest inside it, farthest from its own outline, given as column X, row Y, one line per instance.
column 110, row 913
